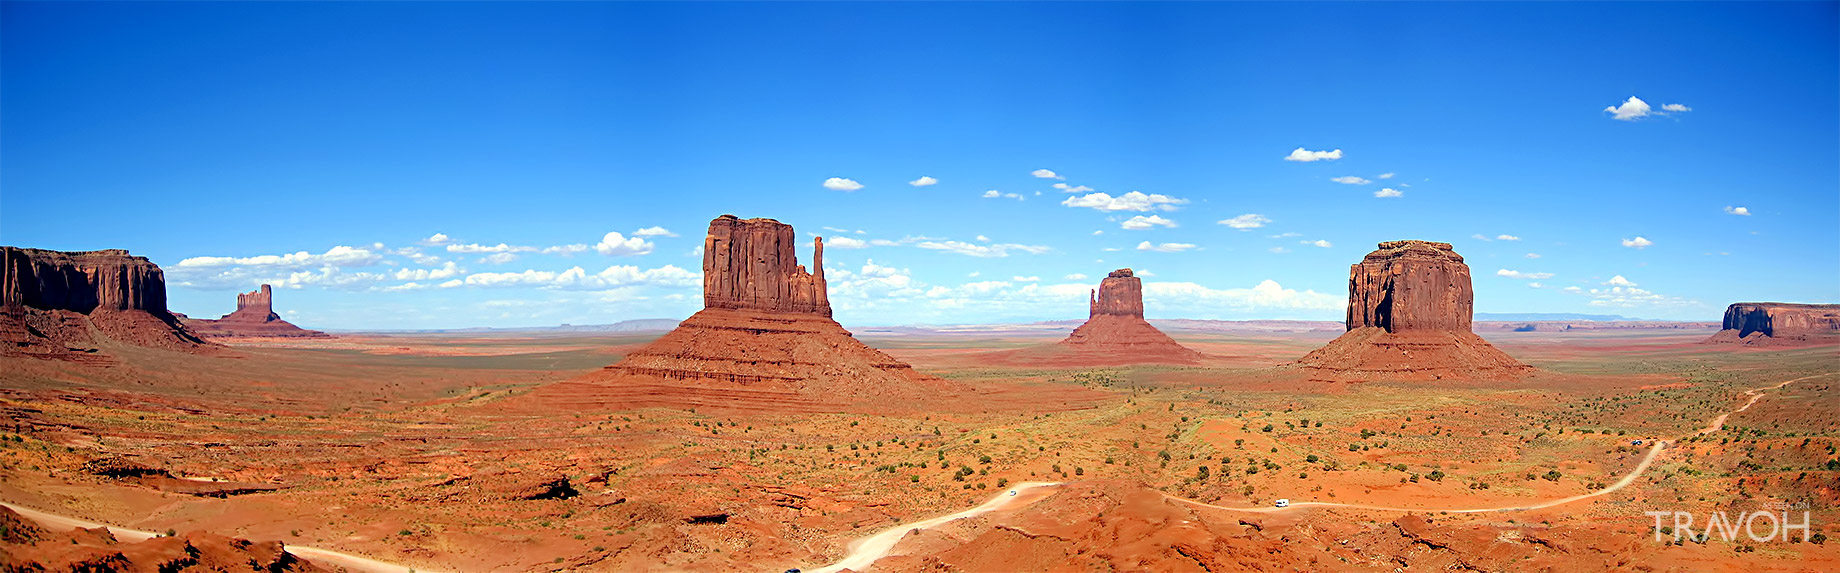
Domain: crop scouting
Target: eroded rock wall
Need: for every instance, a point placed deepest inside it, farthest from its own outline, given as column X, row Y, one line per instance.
column 751, row 264
column 1410, row 285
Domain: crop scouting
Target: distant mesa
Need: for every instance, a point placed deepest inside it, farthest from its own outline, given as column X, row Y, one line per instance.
column 70, row 305
column 1409, row 311
column 764, row 340
column 254, row 317
column 1115, row 331
column 1779, row 324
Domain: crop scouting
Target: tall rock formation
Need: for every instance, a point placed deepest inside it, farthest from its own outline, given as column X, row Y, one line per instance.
column 763, row 341
column 1409, row 311
column 1778, row 323
column 1115, row 331
column 254, row 317
column 63, row 304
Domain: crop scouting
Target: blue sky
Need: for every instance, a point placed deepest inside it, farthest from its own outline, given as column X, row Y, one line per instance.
column 323, row 146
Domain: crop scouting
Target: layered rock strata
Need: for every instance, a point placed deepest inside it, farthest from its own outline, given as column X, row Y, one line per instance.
column 1409, row 310
column 1778, row 323
column 254, row 317
column 764, row 341
column 65, row 304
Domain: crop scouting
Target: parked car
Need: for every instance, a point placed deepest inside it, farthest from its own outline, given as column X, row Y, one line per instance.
column 1284, row 503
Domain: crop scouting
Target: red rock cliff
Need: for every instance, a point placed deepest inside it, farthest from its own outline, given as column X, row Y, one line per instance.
column 1410, row 285
column 1776, row 322
column 51, row 300
column 750, row 264
column 254, row 306
column 1120, row 293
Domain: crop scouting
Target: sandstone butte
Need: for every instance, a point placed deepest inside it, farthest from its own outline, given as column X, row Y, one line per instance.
column 1409, row 311
column 254, row 317
column 764, row 340
column 1778, row 324
column 1115, row 331
column 55, row 304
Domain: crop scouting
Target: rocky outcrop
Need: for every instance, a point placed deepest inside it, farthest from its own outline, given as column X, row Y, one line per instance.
column 1410, row 285
column 764, row 341
column 62, row 304
column 1410, row 308
column 27, row 546
column 1121, row 293
column 1777, row 323
column 749, row 264
column 254, row 317
column 1115, row 332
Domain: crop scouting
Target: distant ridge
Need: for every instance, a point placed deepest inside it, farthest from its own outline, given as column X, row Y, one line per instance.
column 636, row 325
column 1555, row 316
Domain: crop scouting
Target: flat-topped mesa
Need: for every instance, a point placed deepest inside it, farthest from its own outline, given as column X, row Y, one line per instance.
column 1409, row 312
column 1778, row 322
column 1410, row 285
column 254, row 306
column 751, row 264
column 1120, row 293
column 50, row 300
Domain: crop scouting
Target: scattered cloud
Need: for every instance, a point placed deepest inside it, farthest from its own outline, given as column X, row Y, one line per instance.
column 498, row 258
column 1026, row 279
column 654, row 232
column 983, row 251
column 577, row 279
column 1075, row 277
column 1165, row 247
column 1246, row 221
column 1268, row 295
column 1618, row 280
column 1279, row 250
column 436, row 239
column 1350, row 180
column 613, row 244
column 994, row 194
column 1065, row 188
column 1389, row 192
column 1133, row 201
column 448, row 270
column 1141, row 223
column 1506, row 237
column 1533, row 255
column 1637, row 243
column 1045, row 174
column 923, row 181
column 1677, row 108
column 841, row 184
column 340, row 256
column 1737, row 211
column 1521, row 275
column 1632, row 109
column 1318, row 243
column 1305, row 155
column 1097, row 233
column 846, row 243
column 1387, row 175
column 1287, row 235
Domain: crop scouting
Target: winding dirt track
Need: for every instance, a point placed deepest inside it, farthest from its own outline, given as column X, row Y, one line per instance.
column 324, row 557
column 865, row 551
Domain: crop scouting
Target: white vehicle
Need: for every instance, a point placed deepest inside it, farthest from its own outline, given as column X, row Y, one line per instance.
column 1012, row 492
column 1284, row 503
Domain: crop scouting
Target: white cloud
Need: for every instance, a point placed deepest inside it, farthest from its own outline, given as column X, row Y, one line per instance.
column 1632, row 109
column 1246, row 221
column 1267, row 295
column 841, row 184
column 1505, row 237
column 1065, row 188
column 340, row 256
column 846, row 243
column 923, row 181
column 1279, row 250
column 1387, row 175
column 1350, row 180
column 1133, row 201
column 448, row 270
column 653, row 232
column 1521, row 275
column 613, row 244
column 476, row 248
column 1389, row 192
column 1140, row 223
column 436, row 239
column 1026, row 279
column 1533, row 255
column 1738, row 211
column 1045, row 174
column 1637, row 243
column 574, row 249
column 577, row 279
column 1618, row 280
column 982, row 251
column 1097, row 233
column 1677, row 108
column 1075, row 277
column 1305, row 155
column 1165, row 247
column 1318, row 243
column 498, row 258
column 982, row 239
column 974, row 274
column 1286, row 235
column 1535, row 285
